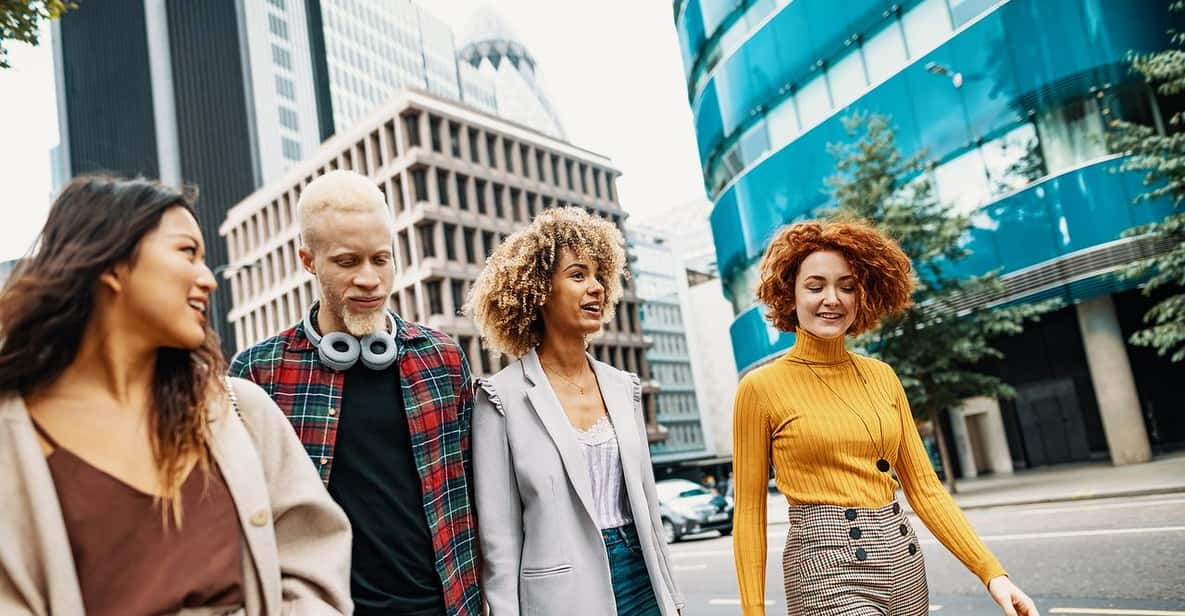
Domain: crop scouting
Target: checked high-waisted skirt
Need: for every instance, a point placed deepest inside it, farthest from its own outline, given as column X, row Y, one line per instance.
column 853, row 561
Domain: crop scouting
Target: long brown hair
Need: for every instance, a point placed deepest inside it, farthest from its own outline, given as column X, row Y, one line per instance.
column 96, row 223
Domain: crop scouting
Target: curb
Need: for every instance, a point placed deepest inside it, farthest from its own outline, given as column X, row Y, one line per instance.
column 1075, row 497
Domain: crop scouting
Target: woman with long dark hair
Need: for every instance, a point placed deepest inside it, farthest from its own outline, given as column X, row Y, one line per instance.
column 134, row 480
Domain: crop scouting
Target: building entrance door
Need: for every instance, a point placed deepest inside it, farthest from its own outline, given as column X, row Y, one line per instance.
column 1051, row 423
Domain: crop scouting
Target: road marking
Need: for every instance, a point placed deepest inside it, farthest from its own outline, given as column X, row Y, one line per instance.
column 1011, row 537
column 1111, row 612
column 1076, row 533
column 730, row 602
column 690, row 567
column 935, row 608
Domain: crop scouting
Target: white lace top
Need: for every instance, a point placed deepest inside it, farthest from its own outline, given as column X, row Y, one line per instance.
column 599, row 444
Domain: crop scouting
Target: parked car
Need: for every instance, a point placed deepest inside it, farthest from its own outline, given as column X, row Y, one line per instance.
column 688, row 508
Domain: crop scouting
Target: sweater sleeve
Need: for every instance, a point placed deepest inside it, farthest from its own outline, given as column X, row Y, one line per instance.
column 934, row 504
column 751, row 460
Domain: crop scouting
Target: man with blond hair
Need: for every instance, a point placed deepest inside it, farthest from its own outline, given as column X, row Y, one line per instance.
column 383, row 403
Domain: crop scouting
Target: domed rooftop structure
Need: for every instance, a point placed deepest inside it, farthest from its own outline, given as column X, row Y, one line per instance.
column 497, row 54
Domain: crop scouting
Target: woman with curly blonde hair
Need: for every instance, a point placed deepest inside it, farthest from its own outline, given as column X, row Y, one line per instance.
column 564, row 489
column 834, row 424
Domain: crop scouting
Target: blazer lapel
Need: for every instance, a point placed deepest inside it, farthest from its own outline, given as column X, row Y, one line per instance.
column 619, row 399
column 547, row 406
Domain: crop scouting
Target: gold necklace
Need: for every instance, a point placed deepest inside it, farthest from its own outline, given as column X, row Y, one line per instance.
column 561, row 375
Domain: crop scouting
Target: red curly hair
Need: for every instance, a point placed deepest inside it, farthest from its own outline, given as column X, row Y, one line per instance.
column 882, row 271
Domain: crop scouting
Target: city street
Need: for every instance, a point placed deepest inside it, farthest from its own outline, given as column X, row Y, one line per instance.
column 1105, row 557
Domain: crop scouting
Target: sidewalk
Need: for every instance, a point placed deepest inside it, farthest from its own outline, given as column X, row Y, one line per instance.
column 1165, row 474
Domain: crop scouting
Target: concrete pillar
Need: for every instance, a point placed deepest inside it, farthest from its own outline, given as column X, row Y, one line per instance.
column 984, row 427
column 1114, row 387
column 958, row 427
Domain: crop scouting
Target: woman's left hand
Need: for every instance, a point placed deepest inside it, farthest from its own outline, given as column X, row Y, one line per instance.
column 1011, row 599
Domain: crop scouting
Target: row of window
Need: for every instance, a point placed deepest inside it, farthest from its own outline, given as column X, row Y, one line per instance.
column 669, row 315
column 677, row 403
column 500, row 152
column 682, row 436
column 799, row 107
column 665, row 343
column 673, row 374
column 274, row 316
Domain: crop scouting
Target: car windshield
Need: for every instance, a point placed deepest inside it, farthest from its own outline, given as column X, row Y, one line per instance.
column 678, row 488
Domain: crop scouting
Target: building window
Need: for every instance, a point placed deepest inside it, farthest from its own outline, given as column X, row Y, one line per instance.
column 281, row 57
column 288, row 118
column 508, row 155
column 492, row 151
column 487, row 239
column 470, row 249
column 474, row 149
column 458, row 289
column 427, row 240
column 454, row 139
column 539, row 165
column 290, row 148
column 435, row 301
column 419, row 178
column 531, row 206
column 450, row 245
column 434, row 132
column 583, row 182
column 277, row 3
column 884, row 53
column 277, row 26
column 285, row 88
column 597, row 182
column 847, row 77
column 524, row 154
column 555, row 169
column 442, row 186
column 926, row 26
column 480, row 187
column 499, row 211
column 814, row 102
column 568, row 173
column 404, row 247
column 516, row 204
column 411, row 122
column 463, row 191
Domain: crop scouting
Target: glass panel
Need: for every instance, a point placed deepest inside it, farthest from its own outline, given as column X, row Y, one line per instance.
column 847, row 78
column 926, row 25
column 1014, row 160
column 963, row 182
column 885, row 53
column 782, row 122
column 1070, row 134
column 814, row 103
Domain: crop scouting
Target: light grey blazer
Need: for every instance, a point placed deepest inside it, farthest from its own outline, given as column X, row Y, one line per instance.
column 542, row 551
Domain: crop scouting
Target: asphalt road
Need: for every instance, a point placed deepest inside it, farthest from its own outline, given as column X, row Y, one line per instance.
column 1107, row 557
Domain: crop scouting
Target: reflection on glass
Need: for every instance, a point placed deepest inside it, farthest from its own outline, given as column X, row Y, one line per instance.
column 742, row 286
column 1013, row 160
column 926, row 25
column 814, row 102
column 962, row 182
column 782, row 122
column 847, row 77
column 1071, row 134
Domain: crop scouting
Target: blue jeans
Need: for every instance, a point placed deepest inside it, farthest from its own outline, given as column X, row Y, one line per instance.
column 632, row 590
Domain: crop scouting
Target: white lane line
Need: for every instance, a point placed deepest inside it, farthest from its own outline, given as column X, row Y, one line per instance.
column 1113, row 612
column 935, row 608
column 730, row 602
column 1011, row 537
column 690, row 567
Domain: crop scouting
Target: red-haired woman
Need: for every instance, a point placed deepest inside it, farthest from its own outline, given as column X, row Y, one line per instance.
column 129, row 485
column 834, row 424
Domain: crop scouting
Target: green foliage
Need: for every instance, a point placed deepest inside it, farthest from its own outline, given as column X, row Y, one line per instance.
column 1160, row 158
column 19, row 20
column 934, row 346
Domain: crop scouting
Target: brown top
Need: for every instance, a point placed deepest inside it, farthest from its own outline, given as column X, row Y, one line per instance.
column 128, row 560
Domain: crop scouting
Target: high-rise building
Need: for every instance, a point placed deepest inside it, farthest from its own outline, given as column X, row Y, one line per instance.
column 1012, row 101
column 229, row 94
column 658, row 277
column 458, row 181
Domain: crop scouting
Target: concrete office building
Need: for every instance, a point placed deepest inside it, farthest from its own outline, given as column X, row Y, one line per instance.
column 1012, row 100
column 459, row 181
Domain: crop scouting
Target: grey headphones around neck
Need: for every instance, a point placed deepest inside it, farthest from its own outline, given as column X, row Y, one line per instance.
column 339, row 351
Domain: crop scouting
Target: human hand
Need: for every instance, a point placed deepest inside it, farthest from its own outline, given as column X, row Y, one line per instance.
column 1011, row 599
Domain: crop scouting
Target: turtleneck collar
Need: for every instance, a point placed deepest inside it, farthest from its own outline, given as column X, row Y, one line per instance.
column 811, row 348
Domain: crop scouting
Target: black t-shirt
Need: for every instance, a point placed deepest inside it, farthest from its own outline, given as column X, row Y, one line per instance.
column 375, row 481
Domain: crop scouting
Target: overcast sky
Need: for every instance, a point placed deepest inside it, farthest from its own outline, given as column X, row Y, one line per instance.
column 611, row 68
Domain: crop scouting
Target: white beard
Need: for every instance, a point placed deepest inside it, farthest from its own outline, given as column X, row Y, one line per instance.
column 361, row 325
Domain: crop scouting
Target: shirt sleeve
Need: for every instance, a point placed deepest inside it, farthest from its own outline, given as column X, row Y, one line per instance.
column 751, row 460
column 934, row 504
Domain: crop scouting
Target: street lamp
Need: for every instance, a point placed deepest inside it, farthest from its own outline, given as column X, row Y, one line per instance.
column 956, row 78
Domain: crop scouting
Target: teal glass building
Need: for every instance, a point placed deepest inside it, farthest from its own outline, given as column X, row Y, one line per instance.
column 1011, row 100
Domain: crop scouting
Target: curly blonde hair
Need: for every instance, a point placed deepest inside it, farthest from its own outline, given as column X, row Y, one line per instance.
column 506, row 299
column 882, row 271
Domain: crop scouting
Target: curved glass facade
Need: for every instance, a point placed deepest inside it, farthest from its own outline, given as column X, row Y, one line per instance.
column 1010, row 99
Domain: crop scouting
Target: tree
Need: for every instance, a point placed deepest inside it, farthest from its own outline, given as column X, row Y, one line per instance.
column 936, row 344
column 1161, row 160
column 19, row 20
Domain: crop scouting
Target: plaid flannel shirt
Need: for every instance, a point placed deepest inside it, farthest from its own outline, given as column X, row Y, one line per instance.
column 438, row 400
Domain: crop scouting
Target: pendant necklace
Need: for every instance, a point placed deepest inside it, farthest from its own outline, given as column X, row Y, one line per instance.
column 557, row 373
column 882, row 464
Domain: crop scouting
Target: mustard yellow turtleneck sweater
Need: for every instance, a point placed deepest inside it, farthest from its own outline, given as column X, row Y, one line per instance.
column 823, row 454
